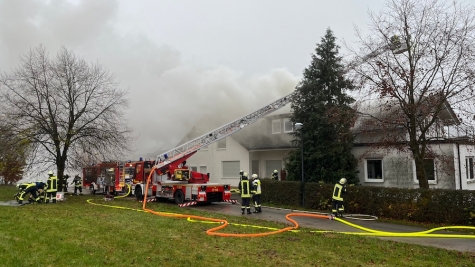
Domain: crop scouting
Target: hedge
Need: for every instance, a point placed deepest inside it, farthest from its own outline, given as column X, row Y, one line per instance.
column 441, row 206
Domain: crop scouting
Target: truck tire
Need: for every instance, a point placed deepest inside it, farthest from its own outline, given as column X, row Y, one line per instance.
column 179, row 197
column 138, row 193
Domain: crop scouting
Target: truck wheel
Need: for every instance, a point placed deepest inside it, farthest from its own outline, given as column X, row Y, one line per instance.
column 138, row 192
column 179, row 197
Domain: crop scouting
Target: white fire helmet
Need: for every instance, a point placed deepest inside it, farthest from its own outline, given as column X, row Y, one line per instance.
column 343, row 181
column 254, row 176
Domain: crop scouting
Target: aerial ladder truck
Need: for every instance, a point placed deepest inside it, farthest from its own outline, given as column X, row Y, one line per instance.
column 173, row 180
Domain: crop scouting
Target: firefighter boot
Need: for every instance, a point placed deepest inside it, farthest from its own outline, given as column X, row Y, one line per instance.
column 256, row 210
column 242, row 211
column 249, row 211
column 259, row 209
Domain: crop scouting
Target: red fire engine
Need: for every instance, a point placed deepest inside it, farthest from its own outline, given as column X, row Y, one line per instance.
column 108, row 177
column 174, row 180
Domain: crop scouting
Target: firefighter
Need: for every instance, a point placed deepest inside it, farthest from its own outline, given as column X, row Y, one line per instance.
column 25, row 189
column 65, row 183
column 275, row 175
column 244, row 189
column 52, row 188
column 337, row 199
column 256, row 190
column 77, row 184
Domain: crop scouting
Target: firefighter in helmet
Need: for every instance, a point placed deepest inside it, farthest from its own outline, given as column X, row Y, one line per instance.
column 52, row 188
column 275, row 175
column 256, row 190
column 244, row 189
column 77, row 184
column 25, row 189
column 337, row 199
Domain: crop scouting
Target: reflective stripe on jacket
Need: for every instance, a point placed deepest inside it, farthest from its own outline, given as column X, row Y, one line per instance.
column 52, row 184
column 244, row 187
column 337, row 191
column 257, row 186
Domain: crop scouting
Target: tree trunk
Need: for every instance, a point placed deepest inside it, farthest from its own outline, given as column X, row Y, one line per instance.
column 421, row 172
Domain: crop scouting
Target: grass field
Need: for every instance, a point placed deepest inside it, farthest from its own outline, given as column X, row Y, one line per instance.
column 76, row 233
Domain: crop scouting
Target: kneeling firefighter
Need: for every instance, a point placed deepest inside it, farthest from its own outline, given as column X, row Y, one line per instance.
column 25, row 189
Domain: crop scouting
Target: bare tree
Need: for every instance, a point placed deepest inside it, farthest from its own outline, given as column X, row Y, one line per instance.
column 435, row 75
column 66, row 108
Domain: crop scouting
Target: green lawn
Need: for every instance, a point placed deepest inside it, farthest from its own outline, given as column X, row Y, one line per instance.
column 76, row 233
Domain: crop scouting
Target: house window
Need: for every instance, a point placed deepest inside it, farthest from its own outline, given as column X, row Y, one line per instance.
column 276, row 127
column 374, row 170
column 231, row 169
column 429, row 166
column 288, row 126
column 222, row 143
column 430, row 169
column 194, row 168
column 469, row 167
column 203, row 169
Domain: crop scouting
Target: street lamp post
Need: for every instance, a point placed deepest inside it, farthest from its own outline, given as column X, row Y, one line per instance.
column 299, row 126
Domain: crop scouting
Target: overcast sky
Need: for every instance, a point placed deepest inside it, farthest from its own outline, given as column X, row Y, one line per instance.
column 180, row 60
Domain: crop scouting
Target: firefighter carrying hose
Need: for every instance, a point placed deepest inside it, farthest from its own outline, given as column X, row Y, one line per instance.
column 245, row 190
column 337, row 198
column 256, row 190
column 52, row 188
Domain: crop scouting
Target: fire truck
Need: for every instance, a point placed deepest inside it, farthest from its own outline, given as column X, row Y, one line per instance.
column 175, row 181
column 110, row 178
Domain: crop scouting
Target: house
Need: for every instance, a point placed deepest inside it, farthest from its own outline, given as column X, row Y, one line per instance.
column 263, row 147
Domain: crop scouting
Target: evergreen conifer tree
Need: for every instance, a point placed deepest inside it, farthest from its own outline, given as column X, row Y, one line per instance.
column 323, row 107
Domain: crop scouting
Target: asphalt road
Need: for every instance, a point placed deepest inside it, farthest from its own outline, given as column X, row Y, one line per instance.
column 278, row 215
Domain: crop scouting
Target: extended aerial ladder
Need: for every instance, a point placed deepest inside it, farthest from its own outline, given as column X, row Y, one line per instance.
column 194, row 145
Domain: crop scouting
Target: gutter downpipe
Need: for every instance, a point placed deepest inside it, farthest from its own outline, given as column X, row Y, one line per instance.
column 460, row 166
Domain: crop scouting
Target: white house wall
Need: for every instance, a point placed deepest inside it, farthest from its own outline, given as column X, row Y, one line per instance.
column 399, row 168
column 461, row 176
